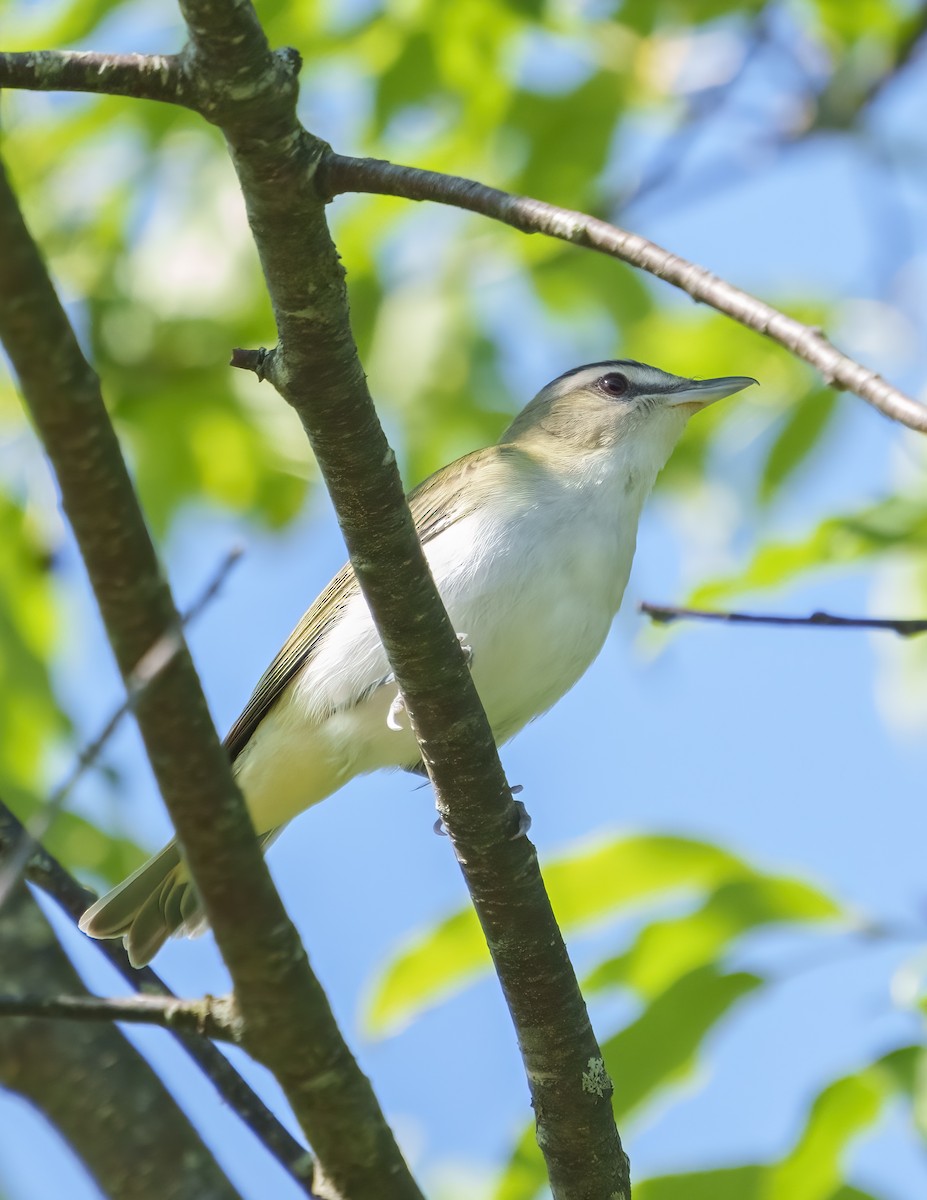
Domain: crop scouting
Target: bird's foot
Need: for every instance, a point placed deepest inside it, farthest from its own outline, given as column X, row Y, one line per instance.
column 398, row 707
column 466, row 647
column 524, row 819
column 396, row 710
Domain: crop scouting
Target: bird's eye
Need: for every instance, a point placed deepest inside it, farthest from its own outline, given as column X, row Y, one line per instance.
column 615, row 384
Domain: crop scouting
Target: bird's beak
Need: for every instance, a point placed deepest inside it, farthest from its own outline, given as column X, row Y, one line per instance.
column 702, row 392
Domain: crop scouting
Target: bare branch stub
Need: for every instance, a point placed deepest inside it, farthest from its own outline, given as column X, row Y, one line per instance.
column 250, row 360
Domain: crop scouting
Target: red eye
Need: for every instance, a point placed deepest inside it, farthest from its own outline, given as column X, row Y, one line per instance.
column 615, row 384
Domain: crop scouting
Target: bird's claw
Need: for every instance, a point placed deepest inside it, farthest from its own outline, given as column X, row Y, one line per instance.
column 396, row 710
column 398, row 707
column 524, row 818
column 466, row 647
column 521, row 829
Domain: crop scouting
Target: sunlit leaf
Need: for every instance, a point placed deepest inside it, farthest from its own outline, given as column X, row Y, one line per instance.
column 813, row 1171
column 584, row 119
column 80, row 845
column 731, row 1183
column 656, row 1051
column 583, row 887
column 661, row 1046
column 836, row 541
column 665, row 950
column 29, row 629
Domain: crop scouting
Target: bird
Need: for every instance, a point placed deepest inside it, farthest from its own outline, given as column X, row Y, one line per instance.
column 530, row 542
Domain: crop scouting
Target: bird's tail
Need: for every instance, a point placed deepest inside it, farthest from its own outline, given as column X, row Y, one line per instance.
column 156, row 902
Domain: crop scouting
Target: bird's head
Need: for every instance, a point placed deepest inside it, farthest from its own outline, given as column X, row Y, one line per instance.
column 622, row 406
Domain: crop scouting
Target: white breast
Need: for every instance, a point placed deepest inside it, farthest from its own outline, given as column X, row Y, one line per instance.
column 536, row 597
column 533, row 586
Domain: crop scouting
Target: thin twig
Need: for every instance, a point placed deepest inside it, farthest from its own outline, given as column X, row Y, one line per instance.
column 212, row 1017
column 44, row 870
column 339, row 174
column 665, row 614
column 149, row 666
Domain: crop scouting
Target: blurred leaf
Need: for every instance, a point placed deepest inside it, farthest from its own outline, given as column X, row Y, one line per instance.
column 582, row 887
column 77, row 843
column 862, row 19
column 837, row 541
column 660, row 1047
column 411, row 79
column 813, row 1170
column 572, row 286
column 584, row 120
column 647, row 15
column 656, row 1051
column 29, row 714
column 30, row 717
column 799, row 434
column 728, row 1183
column 56, row 25
column 666, row 950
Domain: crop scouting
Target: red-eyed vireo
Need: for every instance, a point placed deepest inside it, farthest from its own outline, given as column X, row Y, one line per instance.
column 530, row 543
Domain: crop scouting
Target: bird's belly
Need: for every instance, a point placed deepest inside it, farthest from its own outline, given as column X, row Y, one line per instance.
column 529, row 653
column 535, row 613
column 536, row 621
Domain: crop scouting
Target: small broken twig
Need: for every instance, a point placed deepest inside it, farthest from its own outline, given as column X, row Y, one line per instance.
column 665, row 614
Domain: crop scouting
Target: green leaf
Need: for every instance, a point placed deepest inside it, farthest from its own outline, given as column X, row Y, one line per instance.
column 898, row 522
column 79, row 844
column 30, row 717
column 412, row 78
column 576, row 287
column 584, row 120
column 813, row 1170
column 799, row 434
column 660, row 1047
column 664, row 951
column 727, row 1183
column 582, row 887
column 654, row 1052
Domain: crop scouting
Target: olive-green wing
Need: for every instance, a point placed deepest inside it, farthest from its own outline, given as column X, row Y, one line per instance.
column 434, row 509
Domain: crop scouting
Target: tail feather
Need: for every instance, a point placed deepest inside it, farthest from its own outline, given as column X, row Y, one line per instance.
column 156, row 902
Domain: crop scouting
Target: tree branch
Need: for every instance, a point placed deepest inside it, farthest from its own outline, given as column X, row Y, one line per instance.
column 339, row 174
column 665, row 614
column 316, row 369
column 167, row 78
column 72, row 898
column 91, row 1084
column 212, row 1017
column 157, row 658
column 141, row 76
column 288, row 1024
